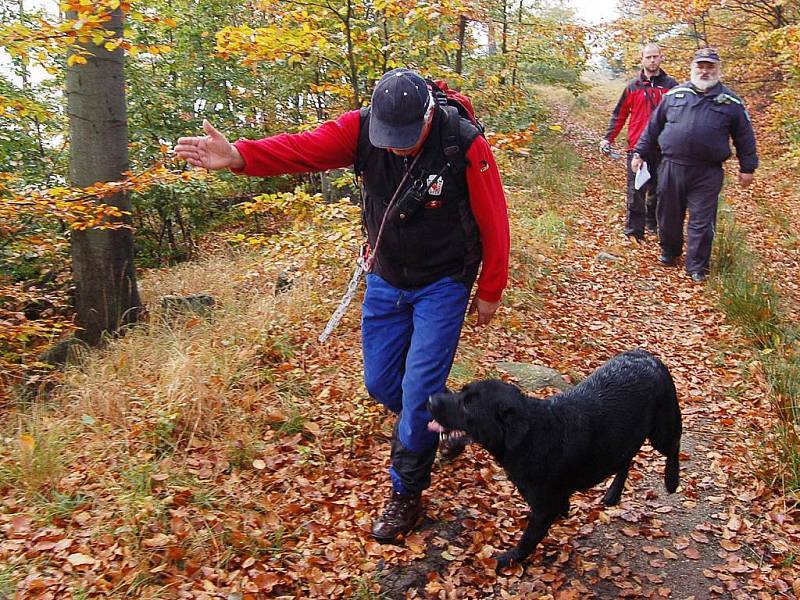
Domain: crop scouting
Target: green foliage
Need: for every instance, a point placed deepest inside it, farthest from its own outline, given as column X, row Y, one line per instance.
column 59, row 505
column 8, row 581
column 748, row 299
column 365, row 588
column 752, row 302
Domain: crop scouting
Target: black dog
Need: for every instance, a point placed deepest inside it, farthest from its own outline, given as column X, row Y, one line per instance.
column 572, row 441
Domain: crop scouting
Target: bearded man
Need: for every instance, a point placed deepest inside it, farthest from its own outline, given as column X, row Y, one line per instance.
column 692, row 127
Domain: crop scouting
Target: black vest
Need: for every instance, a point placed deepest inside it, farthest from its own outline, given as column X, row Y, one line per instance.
column 431, row 234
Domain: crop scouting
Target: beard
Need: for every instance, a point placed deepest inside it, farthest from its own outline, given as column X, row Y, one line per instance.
column 704, row 84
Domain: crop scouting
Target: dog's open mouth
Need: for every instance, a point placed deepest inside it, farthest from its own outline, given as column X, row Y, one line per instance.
column 444, row 433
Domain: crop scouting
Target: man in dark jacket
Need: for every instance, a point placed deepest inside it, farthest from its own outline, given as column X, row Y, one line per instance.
column 637, row 102
column 692, row 127
column 435, row 214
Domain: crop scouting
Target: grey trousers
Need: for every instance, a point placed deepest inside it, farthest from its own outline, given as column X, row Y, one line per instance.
column 692, row 188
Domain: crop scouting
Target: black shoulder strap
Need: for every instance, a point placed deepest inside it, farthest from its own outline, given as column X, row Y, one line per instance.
column 457, row 136
column 363, row 130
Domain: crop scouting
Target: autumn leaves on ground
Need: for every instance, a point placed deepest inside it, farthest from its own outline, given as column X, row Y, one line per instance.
column 230, row 455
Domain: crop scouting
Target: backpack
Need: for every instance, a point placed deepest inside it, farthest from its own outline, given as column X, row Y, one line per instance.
column 456, row 106
column 444, row 96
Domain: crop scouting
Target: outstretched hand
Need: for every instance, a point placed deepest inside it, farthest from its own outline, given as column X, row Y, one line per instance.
column 211, row 151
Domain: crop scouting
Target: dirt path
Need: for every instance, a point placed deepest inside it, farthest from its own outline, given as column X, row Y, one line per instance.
column 723, row 534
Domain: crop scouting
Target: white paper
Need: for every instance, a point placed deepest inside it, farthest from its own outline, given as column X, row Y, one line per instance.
column 642, row 176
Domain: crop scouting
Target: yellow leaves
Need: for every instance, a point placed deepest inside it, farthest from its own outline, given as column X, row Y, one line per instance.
column 284, row 40
column 19, row 108
column 26, row 443
column 76, row 59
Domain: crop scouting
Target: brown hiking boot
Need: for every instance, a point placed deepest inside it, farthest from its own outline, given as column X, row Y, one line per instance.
column 401, row 514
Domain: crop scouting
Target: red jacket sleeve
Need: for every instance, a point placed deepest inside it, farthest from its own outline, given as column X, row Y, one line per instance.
column 332, row 145
column 619, row 116
column 488, row 203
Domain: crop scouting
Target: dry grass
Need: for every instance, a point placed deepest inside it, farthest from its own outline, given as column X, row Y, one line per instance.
column 37, row 453
column 192, row 374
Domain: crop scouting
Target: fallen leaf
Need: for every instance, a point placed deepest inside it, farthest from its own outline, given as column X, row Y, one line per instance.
column 699, row 537
column 78, row 559
column 692, row 553
column 157, row 541
column 729, row 545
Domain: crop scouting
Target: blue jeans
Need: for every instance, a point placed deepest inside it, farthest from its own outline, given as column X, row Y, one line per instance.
column 409, row 340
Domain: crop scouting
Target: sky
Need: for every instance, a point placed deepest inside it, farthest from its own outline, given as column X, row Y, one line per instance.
column 594, row 11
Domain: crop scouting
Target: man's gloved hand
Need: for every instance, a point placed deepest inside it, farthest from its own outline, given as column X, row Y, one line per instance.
column 604, row 145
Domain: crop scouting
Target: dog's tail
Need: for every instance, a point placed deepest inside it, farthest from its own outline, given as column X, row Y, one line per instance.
column 666, row 434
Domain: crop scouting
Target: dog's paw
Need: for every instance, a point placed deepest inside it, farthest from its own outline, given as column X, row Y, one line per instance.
column 612, row 497
column 507, row 559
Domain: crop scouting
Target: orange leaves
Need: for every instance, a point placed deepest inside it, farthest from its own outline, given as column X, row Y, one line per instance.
column 79, row 207
column 516, row 141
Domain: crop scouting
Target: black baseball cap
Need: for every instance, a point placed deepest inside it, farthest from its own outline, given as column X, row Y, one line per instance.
column 398, row 109
column 706, row 55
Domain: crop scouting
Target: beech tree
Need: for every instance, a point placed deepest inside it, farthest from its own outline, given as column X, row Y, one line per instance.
column 106, row 295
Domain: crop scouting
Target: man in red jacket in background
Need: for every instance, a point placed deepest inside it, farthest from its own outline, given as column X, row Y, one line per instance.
column 436, row 221
column 638, row 100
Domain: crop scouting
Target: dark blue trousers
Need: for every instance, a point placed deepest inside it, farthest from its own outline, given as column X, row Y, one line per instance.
column 409, row 341
column 694, row 188
column 640, row 205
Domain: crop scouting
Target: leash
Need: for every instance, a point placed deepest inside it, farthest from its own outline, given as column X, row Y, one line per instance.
column 364, row 262
column 352, row 288
column 614, row 154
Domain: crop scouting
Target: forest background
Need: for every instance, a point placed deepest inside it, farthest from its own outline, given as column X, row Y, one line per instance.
column 255, row 69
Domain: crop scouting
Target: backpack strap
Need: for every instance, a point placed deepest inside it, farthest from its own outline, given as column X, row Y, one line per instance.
column 363, row 125
column 457, row 136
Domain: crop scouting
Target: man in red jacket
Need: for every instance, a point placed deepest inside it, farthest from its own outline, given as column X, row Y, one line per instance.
column 638, row 100
column 436, row 221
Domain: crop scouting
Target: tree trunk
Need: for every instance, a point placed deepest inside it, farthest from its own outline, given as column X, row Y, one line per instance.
column 106, row 296
column 491, row 37
column 462, row 34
